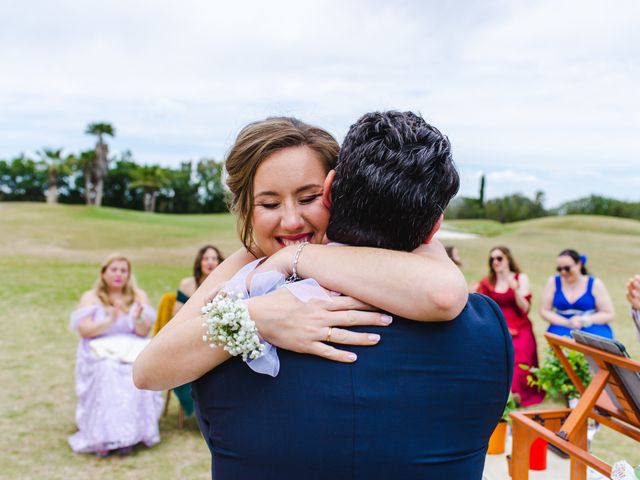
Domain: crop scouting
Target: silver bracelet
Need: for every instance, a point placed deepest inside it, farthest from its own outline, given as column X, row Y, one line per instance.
column 294, row 269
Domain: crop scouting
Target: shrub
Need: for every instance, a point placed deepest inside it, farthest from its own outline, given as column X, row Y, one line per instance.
column 552, row 377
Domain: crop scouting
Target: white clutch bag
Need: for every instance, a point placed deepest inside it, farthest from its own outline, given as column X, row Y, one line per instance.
column 124, row 348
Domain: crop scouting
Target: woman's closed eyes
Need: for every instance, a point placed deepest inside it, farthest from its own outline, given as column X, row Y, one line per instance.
column 302, row 201
column 310, row 198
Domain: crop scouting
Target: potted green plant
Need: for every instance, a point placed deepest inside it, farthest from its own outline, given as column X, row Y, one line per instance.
column 499, row 436
column 553, row 379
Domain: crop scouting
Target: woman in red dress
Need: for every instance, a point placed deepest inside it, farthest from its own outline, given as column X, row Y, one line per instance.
column 510, row 290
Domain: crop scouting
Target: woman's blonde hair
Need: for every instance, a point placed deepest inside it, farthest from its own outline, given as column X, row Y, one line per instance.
column 254, row 144
column 129, row 289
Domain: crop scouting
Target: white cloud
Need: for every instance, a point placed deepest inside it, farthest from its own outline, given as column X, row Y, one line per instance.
column 634, row 181
column 540, row 89
column 511, row 176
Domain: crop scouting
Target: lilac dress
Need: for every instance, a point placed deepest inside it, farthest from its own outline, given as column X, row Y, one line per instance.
column 111, row 413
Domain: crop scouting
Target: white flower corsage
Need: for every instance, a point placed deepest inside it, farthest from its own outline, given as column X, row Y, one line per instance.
column 228, row 325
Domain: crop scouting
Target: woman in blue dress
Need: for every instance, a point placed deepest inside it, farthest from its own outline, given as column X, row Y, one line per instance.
column 575, row 300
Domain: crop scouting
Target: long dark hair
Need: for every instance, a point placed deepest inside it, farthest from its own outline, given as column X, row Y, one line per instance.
column 576, row 257
column 513, row 266
column 197, row 264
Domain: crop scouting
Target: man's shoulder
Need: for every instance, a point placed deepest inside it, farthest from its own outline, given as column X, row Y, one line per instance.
column 481, row 304
column 480, row 318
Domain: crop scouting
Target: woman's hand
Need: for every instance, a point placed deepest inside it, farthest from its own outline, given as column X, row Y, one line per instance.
column 116, row 309
column 141, row 322
column 136, row 310
column 633, row 292
column 575, row 322
column 288, row 323
column 520, row 287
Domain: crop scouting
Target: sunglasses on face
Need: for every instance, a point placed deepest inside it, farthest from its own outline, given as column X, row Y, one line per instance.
column 497, row 258
column 563, row 269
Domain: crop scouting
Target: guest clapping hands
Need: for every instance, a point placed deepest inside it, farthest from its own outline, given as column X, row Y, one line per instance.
column 573, row 299
column 633, row 292
column 509, row 288
column 111, row 319
column 633, row 295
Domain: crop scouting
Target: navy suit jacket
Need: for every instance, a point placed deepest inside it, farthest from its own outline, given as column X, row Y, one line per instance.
column 419, row 405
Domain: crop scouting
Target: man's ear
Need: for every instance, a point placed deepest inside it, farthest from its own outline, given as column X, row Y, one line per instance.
column 326, row 190
column 435, row 228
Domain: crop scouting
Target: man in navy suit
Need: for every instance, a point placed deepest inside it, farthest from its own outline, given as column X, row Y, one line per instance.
column 424, row 401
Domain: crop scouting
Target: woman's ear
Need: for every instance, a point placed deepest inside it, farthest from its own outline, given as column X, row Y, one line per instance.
column 435, row 228
column 326, row 190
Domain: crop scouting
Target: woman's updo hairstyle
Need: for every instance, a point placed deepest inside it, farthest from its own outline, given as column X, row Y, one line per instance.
column 254, row 144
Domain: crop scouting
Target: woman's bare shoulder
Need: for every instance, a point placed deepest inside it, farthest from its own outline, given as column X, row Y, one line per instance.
column 88, row 298
column 187, row 285
column 599, row 285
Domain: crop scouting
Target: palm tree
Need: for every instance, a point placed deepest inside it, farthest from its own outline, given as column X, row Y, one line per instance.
column 86, row 162
column 151, row 178
column 100, row 166
column 52, row 158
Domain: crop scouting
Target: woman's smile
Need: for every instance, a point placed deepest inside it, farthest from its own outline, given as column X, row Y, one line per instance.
column 286, row 240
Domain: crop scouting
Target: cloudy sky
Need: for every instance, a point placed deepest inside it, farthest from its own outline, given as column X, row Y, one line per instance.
column 538, row 95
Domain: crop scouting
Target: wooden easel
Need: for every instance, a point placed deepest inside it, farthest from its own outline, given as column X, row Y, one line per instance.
column 567, row 428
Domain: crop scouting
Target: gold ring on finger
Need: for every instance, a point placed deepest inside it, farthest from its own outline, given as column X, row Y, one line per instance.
column 328, row 339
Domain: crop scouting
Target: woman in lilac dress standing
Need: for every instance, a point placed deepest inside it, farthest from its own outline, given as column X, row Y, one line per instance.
column 113, row 320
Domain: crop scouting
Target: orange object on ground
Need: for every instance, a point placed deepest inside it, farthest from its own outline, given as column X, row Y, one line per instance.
column 498, row 439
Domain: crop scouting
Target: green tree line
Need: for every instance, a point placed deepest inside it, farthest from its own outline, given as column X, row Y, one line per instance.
column 516, row 207
column 93, row 178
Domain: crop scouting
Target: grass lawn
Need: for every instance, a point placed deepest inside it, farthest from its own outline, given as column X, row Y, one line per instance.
column 49, row 255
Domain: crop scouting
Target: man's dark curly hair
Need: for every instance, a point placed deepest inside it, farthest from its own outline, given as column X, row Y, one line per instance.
column 394, row 177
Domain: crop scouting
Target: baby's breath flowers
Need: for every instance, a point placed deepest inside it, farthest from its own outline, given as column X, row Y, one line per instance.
column 228, row 325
